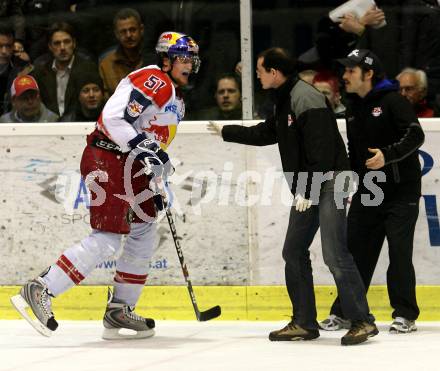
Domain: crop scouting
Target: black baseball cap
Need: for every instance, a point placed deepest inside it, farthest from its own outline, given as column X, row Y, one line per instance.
column 363, row 58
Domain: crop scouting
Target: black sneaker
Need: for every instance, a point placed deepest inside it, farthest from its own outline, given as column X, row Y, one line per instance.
column 360, row 331
column 293, row 332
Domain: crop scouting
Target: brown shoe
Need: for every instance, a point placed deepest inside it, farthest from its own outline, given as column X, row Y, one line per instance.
column 293, row 332
column 360, row 331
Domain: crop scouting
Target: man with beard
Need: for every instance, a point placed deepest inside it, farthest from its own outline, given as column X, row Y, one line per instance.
column 58, row 78
column 384, row 136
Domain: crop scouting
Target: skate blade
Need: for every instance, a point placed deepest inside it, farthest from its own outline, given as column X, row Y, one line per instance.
column 20, row 305
column 125, row 334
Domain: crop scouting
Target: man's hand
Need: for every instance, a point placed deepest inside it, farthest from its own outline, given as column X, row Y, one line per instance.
column 302, row 204
column 350, row 23
column 373, row 17
column 238, row 68
column 377, row 161
column 215, row 128
column 163, row 195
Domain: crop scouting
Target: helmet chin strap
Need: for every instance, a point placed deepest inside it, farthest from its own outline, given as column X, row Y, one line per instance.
column 169, row 71
column 171, row 76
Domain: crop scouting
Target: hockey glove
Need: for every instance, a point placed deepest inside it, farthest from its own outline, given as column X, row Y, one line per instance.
column 302, row 204
column 164, row 199
column 154, row 159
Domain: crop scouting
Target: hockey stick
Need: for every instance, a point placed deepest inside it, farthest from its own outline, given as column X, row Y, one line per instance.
column 201, row 316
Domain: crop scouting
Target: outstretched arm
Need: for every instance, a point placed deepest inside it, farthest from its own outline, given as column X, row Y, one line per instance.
column 261, row 134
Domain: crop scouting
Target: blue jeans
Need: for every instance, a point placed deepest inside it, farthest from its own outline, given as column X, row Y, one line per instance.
column 298, row 270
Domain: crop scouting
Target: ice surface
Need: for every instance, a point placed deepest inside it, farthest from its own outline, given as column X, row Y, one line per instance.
column 217, row 345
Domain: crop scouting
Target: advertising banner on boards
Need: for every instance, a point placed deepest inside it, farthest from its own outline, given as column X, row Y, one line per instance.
column 231, row 207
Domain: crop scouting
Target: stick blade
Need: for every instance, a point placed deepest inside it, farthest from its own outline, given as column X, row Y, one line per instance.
column 212, row 313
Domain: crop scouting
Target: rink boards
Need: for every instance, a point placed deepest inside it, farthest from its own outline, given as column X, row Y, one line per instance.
column 250, row 303
column 232, row 220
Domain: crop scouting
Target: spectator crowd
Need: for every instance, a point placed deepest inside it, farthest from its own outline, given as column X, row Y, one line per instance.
column 48, row 73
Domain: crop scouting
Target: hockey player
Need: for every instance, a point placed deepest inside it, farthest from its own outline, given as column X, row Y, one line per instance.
column 135, row 127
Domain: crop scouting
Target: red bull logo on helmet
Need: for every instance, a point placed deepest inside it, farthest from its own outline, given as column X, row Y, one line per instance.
column 167, row 36
column 167, row 39
column 192, row 46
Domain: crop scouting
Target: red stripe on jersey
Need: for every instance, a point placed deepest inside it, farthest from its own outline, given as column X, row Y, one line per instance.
column 68, row 268
column 102, row 128
column 153, row 83
column 123, row 277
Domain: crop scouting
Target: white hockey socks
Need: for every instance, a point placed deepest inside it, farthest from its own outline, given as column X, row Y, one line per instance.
column 133, row 265
column 78, row 261
column 128, row 287
column 57, row 280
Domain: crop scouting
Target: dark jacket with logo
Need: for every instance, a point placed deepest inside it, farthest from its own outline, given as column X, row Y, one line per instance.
column 305, row 129
column 386, row 120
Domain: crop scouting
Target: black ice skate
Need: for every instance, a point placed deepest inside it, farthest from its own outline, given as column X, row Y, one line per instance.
column 35, row 295
column 120, row 317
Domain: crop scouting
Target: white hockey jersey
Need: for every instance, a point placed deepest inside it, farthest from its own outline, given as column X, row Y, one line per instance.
column 144, row 101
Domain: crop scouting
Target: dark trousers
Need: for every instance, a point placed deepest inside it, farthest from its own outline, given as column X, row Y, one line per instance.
column 368, row 226
column 298, row 270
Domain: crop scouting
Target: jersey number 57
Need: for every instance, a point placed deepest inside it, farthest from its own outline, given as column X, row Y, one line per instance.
column 154, row 83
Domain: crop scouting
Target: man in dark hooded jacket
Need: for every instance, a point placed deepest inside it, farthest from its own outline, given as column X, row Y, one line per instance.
column 383, row 134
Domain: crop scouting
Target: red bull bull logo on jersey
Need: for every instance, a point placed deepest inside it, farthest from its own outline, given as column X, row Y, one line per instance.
column 134, row 108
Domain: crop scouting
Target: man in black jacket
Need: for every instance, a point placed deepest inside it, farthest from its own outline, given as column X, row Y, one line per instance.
column 383, row 134
column 59, row 77
column 10, row 66
column 310, row 145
